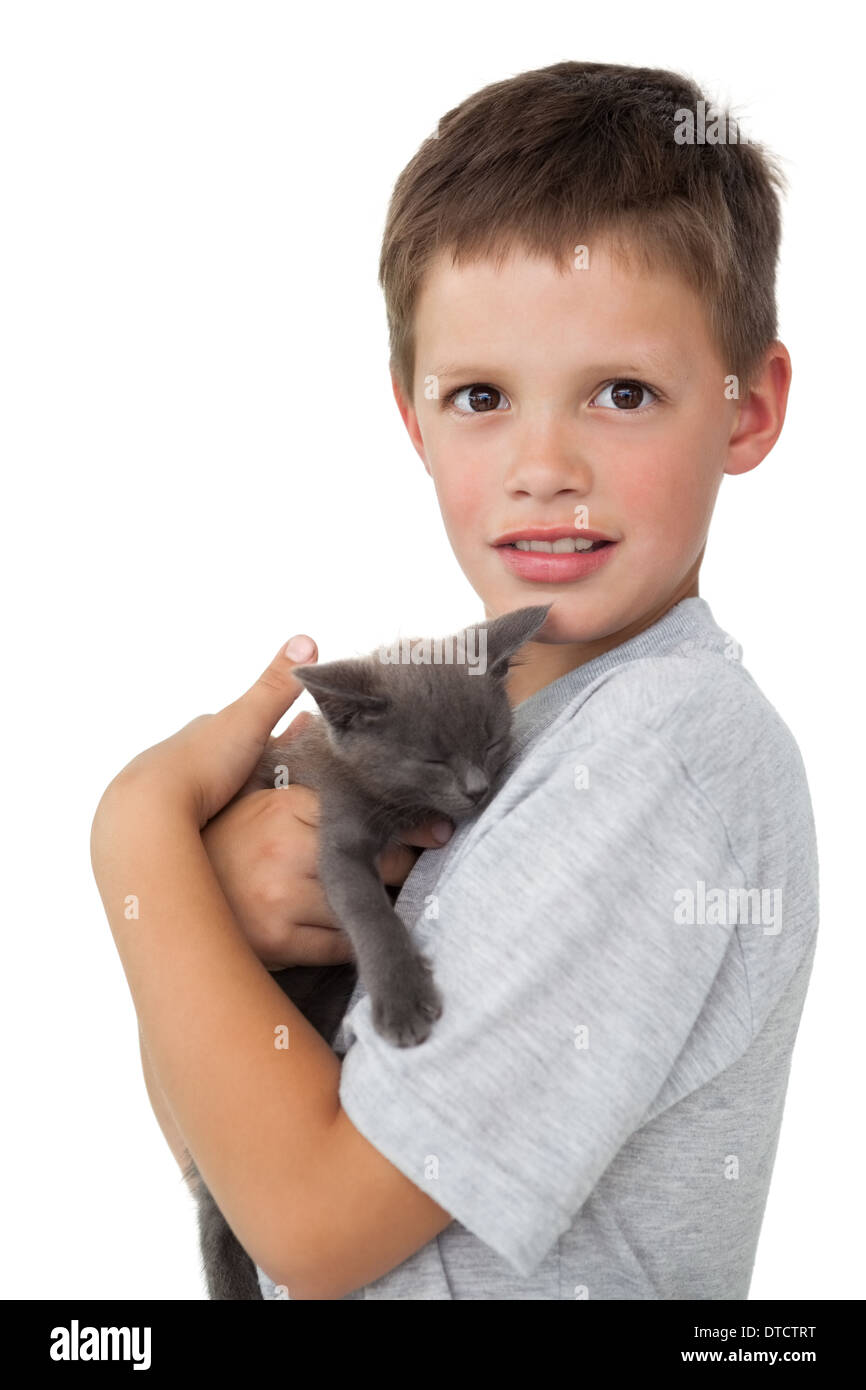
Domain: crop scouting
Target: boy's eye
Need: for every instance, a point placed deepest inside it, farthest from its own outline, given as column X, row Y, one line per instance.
column 623, row 395
column 479, row 399
column 626, row 394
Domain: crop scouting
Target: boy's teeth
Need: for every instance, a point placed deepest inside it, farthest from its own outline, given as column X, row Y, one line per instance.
column 560, row 547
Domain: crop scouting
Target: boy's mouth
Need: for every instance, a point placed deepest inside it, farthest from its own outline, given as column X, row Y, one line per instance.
column 566, row 546
column 558, row 557
column 553, row 540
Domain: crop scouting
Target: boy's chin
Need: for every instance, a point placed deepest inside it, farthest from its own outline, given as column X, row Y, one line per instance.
column 577, row 615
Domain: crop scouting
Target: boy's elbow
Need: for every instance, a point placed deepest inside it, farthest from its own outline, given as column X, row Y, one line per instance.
column 306, row 1251
column 309, row 1265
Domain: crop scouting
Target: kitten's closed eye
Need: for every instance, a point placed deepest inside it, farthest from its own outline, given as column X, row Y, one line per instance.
column 443, row 762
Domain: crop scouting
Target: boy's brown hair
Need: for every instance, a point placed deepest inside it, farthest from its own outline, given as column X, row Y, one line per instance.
column 548, row 159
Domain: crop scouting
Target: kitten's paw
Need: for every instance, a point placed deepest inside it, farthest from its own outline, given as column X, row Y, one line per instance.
column 406, row 1016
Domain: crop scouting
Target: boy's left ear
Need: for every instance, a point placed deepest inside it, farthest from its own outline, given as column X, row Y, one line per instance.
column 506, row 635
column 762, row 412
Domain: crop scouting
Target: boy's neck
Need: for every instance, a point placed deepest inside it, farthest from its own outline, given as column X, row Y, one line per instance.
column 545, row 663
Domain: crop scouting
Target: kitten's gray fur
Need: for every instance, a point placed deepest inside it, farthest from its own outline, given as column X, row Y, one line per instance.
column 399, row 744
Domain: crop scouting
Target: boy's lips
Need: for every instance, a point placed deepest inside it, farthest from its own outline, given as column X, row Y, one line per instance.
column 548, row 567
column 551, row 533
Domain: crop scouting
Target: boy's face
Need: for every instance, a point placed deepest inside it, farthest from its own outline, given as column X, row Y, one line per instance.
column 556, row 359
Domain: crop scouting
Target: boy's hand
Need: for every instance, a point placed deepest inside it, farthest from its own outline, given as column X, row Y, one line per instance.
column 264, row 848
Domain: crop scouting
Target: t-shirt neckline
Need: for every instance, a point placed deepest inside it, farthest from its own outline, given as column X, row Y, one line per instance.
column 691, row 617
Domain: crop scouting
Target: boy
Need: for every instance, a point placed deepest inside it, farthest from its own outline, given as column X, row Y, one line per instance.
column 624, row 938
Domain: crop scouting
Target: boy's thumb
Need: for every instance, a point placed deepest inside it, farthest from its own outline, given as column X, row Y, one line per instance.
column 276, row 689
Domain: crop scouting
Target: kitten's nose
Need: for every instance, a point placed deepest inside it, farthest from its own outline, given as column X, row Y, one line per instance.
column 476, row 783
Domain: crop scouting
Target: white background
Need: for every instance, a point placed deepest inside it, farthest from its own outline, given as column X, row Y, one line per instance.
column 202, row 457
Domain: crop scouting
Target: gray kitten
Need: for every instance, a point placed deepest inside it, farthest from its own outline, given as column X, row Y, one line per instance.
column 398, row 744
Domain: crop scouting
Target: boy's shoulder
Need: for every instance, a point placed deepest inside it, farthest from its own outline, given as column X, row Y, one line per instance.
column 703, row 710
column 699, row 699
column 702, row 713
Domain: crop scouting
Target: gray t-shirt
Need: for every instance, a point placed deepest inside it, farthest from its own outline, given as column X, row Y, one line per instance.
column 623, row 940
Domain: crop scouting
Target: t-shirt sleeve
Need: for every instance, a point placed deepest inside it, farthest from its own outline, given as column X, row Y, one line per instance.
column 570, row 984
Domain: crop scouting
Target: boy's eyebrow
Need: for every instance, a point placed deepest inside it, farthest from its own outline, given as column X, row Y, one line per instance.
column 653, row 361
column 454, row 369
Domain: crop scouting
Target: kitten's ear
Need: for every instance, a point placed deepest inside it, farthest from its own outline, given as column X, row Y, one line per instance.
column 344, row 692
column 507, row 634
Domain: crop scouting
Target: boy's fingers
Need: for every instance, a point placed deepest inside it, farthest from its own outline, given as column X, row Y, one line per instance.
column 314, row 945
column 433, row 834
column 398, row 857
column 394, row 862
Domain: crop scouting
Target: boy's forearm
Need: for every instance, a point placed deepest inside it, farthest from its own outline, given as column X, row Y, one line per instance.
column 162, row 1111
column 253, row 1086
